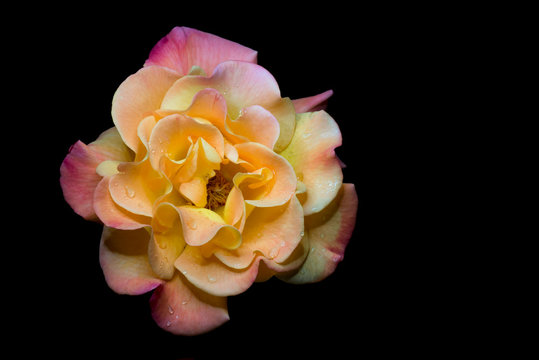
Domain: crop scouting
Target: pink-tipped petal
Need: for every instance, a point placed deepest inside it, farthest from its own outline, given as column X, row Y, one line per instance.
column 312, row 103
column 184, row 48
column 311, row 153
column 137, row 97
column 182, row 309
column 78, row 176
column 124, row 260
column 328, row 233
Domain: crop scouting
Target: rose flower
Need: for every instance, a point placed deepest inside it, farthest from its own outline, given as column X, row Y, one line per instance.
column 210, row 181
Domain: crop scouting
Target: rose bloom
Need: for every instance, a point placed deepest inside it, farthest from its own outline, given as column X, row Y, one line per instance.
column 210, row 181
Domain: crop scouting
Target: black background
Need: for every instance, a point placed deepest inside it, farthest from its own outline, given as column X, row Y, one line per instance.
column 372, row 304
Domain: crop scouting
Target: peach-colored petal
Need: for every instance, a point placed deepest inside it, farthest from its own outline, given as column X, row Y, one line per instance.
column 137, row 97
column 328, row 233
column 166, row 242
column 209, row 105
column 201, row 225
column 284, row 184
column 137, row 187
column 124, row 260
column 312, row 103
column 78, row 175
column 255, row 124
column 242, row 85
column 113, row 215
column 273, row 232
column 182, row 309
column 212, row 276
column 184, row 48
column 234, row 208
column 174, row 135
column 311, row 153
column 195, row 191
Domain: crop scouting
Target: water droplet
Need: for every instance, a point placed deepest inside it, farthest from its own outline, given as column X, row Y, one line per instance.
column 130, row 192
column 184, row 302
column 170, row 310
column 211, row 279
column 322, row 235
column 168, row 323
column 312, row 249
column 302, row 234
column 306, row 135
column 192, row 225
column 177, row 316
column 184, row 272
column 273, row 252
column 283, row 243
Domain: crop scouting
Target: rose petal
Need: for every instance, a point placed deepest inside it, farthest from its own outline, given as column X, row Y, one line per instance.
column 328, row 233
column 137, row 97
column 250, row 122
column 311, row 153
column 166, row 242
column 124, row 260
column 113, row 215
column 184, row 48
column 78, row 176
column 212, row 276
column 242, row 85
column 182, row 309
column 273, row 232
column 312, row 103
column 284, row 184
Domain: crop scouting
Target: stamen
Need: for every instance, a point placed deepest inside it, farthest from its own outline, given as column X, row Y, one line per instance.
column 218, row 188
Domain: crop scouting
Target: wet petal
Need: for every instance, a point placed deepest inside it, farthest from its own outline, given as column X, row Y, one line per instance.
column 311, row 153
column 166, row 242
column 113, row 215
column 137, row 97
column 273, row 232
column 137, row 187
column 328, row 234
column 181, row 308
column 124, row 260
column 248, row 125
column 184, row 48
column 212, row 276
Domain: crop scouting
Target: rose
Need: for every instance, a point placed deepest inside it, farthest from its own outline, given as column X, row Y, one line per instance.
column 209, row 181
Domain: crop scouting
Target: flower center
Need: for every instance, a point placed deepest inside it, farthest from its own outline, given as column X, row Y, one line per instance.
column 218, row 188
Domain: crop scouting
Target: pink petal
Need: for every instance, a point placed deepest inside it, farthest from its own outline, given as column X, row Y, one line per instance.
column 124, row 260
column 78, row 177
column 312, row 103
column 184, row 48
column 328, row 233
column 311, row 153
column 137, row 97
column 182, row 309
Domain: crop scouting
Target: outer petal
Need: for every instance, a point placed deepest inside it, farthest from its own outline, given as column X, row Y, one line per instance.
column 212, row 276
column 78, row 177
column 137, row 97
column 311, row 153
column 123, row 258
column 181, row 308
column 184, row 48
column 328, row 234
column 312, row 103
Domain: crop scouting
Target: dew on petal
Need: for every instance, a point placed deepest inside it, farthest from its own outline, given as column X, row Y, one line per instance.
column 211, row 279
column 170, row 310
column 273, row 253
column 130, row 192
